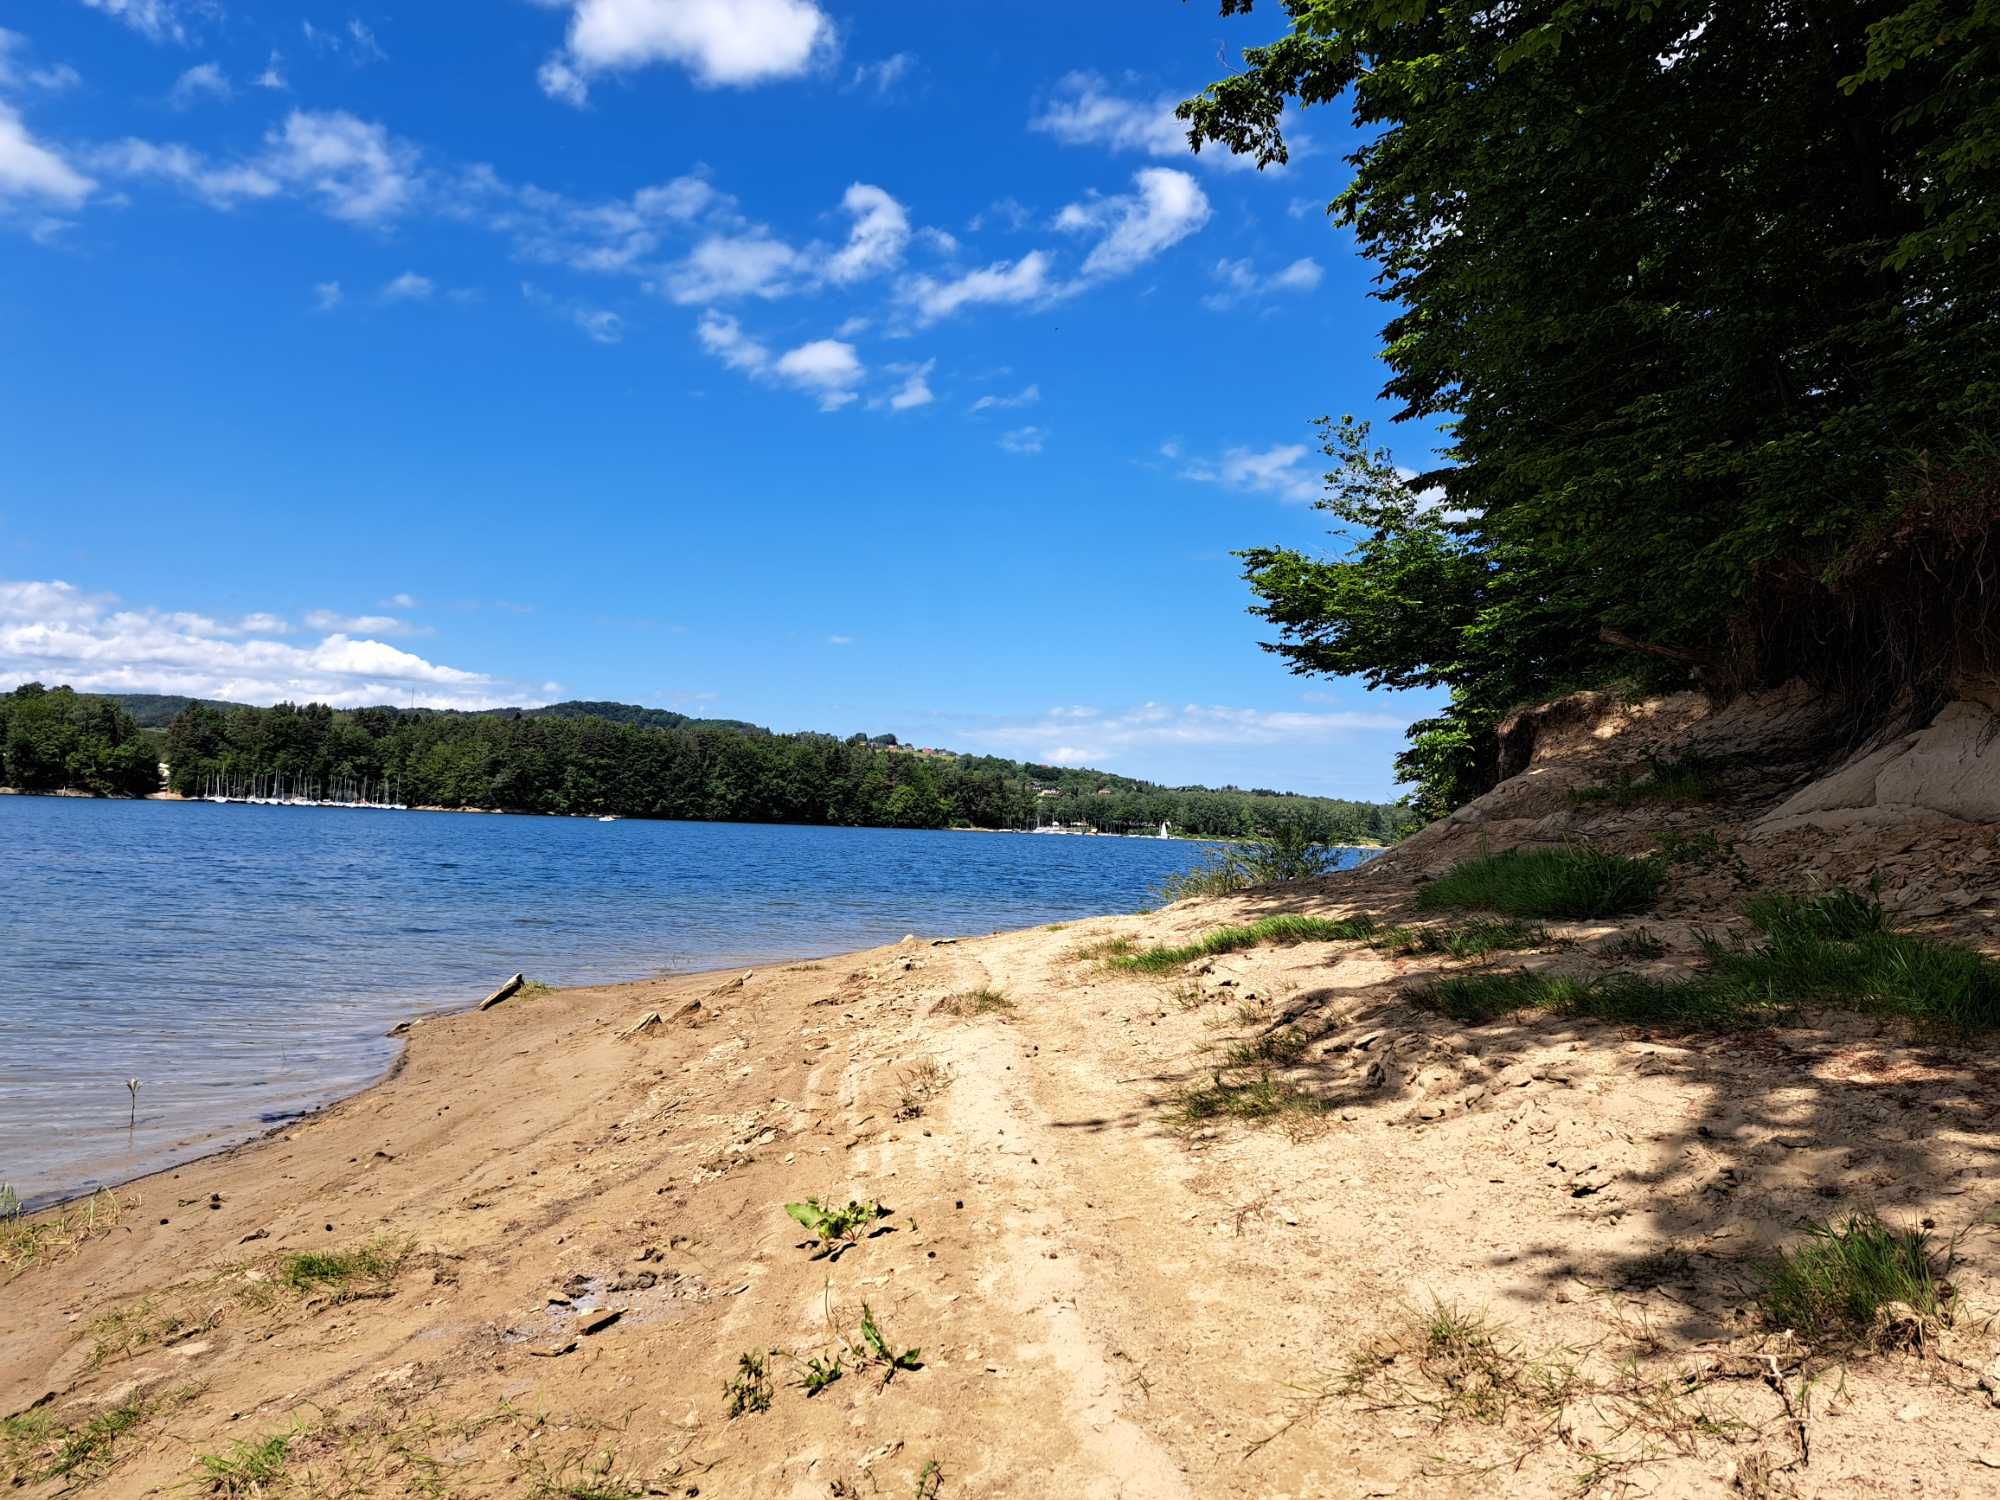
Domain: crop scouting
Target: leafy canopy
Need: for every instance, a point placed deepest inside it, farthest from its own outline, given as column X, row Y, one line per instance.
column 1702, row 293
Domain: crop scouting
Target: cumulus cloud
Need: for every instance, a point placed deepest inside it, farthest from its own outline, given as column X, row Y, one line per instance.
column 273, row 76
column 828, row 368
column 916, row 387
column 29, row 169
column 1023, row 440
column 724, row 266
column 721, row 43
column 326, row 295
column 409, row 287
column 722, row 336
column 876, row 242
column 56, row 632
column 1281, row 470
column 1071, row 736
column 202, row 81
column 1023, row 280
column 1084, row 110
column 1165, row 209
column 1240, row 281
column 327, row 619
column 601, row 235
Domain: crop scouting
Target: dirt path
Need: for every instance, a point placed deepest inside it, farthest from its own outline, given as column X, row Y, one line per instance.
column 1110, row 1298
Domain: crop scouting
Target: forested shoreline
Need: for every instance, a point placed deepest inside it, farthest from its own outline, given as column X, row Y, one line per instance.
column 579, row 759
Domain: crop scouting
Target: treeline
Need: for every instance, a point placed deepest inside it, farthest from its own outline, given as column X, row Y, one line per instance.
column 550, row 762
column 53, row 739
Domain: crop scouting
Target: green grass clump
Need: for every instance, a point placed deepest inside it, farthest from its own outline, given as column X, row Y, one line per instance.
column 1464, row 940
column 247, row 1468
column 1257, row 1099
column 1279, row 929
column 373, row 1265
column 1569, row 882
column 974, row 1003
column 749, row 1389
column 1829, row 1289
column 1690, row 779
column 39, row 1451
column 832, row 1224
column 1273, row 1049
column 1835, row 949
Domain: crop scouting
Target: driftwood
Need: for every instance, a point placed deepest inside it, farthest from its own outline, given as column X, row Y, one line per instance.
column 503, row 992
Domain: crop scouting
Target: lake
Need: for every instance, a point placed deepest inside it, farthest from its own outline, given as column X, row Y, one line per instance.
column 244, row 962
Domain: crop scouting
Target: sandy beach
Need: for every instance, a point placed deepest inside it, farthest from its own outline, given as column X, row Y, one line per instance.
column 535, row 1258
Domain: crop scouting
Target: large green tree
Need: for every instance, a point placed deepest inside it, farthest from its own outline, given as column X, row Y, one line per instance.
column 1703, row 292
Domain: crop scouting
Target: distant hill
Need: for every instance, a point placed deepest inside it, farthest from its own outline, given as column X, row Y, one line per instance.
column 157, row 710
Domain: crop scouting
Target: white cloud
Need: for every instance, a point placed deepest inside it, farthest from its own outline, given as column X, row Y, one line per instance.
column 399, row 601
column 876, row 242
column 724, row 266
column 326, row 619
column 916, row 387
column 1023, row 440
column 355, row 42
column 1084, row 111
column 364, row 45
column 28, row 169
column 884, row 75
column 202, row 81
column 722, row 336
column 840, row 640
column 600, row 325
column 362, row 173
column 56, row 78
column 1281, row 470
column 1026, row 396
column 1023, row 280
column 218, row 185
column 607, row 235
column 1167, row 208
column 56, row 632
column 721, row 43
column 1067, row 737
column 157, row 20
column 326, row 295
column 849, row 327
column 408, row 287
column 273, row 76
column 1240, row 280
column 828, row 368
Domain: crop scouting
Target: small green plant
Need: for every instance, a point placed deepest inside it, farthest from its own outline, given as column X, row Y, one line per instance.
column 1285, row 929
column 749, row 1389
column 248, row 1468
column 1639, row 945
column 1273, row 1049
column 1829, row 1289
column 817, row 1373
column 978, row 1002
column 1115, row 946
column 1472, row 939
column 924, row 1081
column 876, row 1349
column 930, row 1481
column 1289, row 853
column 1571, row 882
column 1688, row 779
column 10, row 1202
column 132, row 1086
column 39, row 1451
column 835, row 1225
column 1257, row 1099
column 369, row 1268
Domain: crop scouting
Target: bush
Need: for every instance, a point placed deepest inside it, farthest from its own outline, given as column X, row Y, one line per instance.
column 1288, row 855
column 1572, row 882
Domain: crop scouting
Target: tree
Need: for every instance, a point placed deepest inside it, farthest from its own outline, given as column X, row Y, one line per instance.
column 1703, row 294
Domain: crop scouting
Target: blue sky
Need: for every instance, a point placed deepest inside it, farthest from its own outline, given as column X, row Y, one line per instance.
column 830, row 367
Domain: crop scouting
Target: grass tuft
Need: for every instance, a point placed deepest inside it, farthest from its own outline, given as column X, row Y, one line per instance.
column 1278, row 929
column 974, row 1003
column 1471, row 939
column 1829, row 1289
column 247, row 1468
column 1690, row 779
column 1258, row 1099
column 366, row 1268
column 1278, row 1049
column 1569, row 882
column 1834, row 949
column 26, row 1242
column 749, row 1389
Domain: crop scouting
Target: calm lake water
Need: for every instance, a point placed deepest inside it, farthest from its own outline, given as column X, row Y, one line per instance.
column 244, row 962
